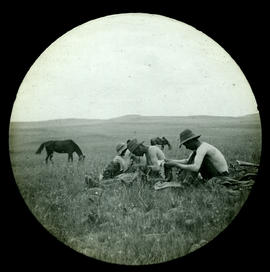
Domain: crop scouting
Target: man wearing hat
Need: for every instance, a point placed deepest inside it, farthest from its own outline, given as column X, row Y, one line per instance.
column 205, row 158
column 120, row 164
column 154, row 157
column 123, row 157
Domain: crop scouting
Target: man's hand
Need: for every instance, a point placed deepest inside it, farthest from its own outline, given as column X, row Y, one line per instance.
column 143, row 168
column 168, row 160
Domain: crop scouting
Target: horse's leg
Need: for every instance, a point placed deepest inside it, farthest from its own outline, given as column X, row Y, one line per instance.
column 70, row 157
column 51, row 155
column 49, row 152
column 48, row 155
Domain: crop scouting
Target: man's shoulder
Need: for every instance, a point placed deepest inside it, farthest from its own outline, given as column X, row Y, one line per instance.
column 204, row 146
column 117, row 159
column 156, row 152
column 154, row 148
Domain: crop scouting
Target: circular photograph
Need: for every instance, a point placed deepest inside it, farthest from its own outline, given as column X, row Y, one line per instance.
column 135, row 139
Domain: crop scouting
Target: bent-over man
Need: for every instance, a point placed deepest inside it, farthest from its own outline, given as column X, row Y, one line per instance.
column 154, row 158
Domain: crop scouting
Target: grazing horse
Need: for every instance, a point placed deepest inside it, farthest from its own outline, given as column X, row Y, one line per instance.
column 66, row 146
column 161, row 141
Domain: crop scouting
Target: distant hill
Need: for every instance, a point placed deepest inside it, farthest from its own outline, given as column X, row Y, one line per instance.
column 254, row 116
column 134, row 118
column 172, row 119
column 57, row 123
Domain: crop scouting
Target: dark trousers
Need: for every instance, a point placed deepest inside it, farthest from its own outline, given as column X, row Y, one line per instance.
column 168, row 172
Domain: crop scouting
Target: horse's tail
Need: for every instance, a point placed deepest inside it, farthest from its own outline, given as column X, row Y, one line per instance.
column 152, row 142
column 40, row 148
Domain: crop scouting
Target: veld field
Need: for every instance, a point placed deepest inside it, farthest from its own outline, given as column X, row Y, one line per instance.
column 134, row 224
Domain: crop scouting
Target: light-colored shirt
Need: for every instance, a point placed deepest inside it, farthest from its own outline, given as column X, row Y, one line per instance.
column 124, row 161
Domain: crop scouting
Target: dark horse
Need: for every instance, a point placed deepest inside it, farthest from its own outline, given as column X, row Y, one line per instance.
column 66, row 146
column 161, row 141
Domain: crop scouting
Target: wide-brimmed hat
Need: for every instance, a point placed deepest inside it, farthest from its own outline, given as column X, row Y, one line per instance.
column 120, row 148
column 186, row 136
column 133, row 144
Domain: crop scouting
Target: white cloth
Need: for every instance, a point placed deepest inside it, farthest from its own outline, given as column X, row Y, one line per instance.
column 162, row 170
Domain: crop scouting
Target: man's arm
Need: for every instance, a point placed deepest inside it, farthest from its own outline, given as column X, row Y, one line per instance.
column 183, row 161
column 196, row 165
column 120, row 162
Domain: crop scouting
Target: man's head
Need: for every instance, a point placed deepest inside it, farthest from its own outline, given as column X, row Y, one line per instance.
column 136, row 148
column 121, row 148
column 189, row 139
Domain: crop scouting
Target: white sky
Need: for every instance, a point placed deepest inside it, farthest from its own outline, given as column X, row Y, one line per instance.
column 133, row 64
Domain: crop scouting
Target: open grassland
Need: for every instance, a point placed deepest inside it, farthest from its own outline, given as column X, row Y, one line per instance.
column 128, row 224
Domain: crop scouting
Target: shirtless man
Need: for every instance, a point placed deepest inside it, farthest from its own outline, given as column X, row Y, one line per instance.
column 154, row 159
column 205, row 158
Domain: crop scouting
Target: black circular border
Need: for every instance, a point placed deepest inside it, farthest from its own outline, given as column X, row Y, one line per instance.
column 239, row 33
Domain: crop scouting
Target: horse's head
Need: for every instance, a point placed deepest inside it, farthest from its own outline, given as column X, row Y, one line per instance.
column 166, row 142
column 81, row 157
column 158, row 141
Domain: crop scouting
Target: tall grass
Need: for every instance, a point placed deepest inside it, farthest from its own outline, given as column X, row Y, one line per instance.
column 123, row 224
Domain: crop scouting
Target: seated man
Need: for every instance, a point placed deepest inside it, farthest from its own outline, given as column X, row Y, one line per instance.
column 120, row 164
column 154, row 158
column 205, row 158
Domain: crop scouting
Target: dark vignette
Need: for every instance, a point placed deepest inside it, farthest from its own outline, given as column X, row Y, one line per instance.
column 28, row 243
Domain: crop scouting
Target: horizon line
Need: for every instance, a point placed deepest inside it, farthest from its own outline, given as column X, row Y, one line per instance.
column 139, row 115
